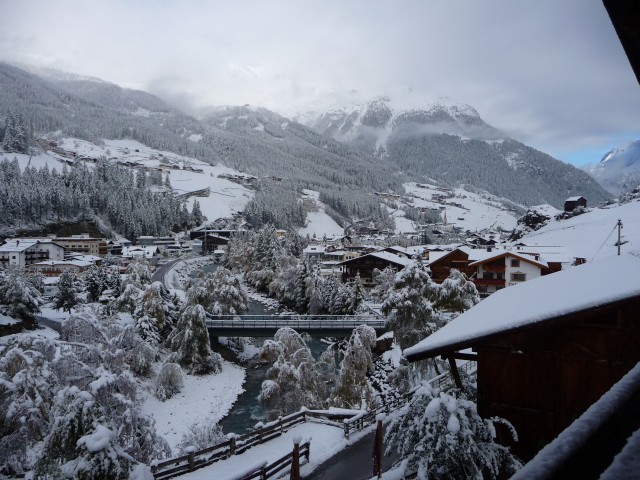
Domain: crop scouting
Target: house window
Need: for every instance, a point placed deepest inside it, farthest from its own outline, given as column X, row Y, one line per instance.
column 518, row 277
column 515, row 263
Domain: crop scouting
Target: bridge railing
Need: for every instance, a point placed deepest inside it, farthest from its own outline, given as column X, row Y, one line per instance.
column 294, row 321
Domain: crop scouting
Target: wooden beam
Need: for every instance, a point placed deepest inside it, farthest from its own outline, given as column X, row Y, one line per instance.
column 454, row 371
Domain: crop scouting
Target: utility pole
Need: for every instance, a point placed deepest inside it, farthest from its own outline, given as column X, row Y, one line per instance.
column 619, row 237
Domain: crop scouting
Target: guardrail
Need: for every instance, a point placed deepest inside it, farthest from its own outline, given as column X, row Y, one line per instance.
column 236, row 445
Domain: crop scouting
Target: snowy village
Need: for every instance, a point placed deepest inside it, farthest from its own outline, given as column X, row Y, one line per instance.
column 324, row 283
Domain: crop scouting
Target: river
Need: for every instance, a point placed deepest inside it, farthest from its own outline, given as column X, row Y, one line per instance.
column 247, row 411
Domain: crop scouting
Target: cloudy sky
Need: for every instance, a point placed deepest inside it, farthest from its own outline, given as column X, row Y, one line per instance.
column 551, row 73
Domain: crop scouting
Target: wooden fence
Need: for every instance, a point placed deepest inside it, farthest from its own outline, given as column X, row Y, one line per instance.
column 235, row 445
column 266, row 470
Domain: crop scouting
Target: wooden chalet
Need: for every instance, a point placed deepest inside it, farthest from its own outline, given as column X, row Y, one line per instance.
column 495, row 270
column 571, row 203
column 366, row 264
column 211, row 242
column 547, row 349
column 441, row 263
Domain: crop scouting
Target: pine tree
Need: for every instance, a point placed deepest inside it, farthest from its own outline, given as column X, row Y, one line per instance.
column 409, row 305
column 22, row 299
column 196, row 213
column 443, row 437
column 67, row 296
column 356, row 297
column 190, row 340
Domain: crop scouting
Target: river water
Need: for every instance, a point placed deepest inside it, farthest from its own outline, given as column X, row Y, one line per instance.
column 247, row 411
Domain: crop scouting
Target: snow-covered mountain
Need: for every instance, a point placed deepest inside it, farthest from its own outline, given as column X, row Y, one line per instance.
column 450, row 142
column 619, row 169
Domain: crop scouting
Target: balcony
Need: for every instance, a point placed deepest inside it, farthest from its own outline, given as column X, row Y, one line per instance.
column 498, row 282
column 494, row 267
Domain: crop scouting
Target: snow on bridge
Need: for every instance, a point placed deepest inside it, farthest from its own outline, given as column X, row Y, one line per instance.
column 314, row 325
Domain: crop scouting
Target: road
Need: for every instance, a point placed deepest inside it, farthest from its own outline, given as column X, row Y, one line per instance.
column 158, row 275
column 53, row 324
column 353, row 463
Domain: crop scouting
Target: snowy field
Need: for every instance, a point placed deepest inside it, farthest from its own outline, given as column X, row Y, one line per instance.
column 319, row 223
column 203, row 397
column 477, row 212
column 593, row 235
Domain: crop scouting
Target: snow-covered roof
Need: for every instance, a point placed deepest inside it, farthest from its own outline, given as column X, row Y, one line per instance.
column 390, row 257
column 544, row 298
column 314, row 249
column 147, row 251
column 574, row 199
column 505, row 253
column 17, row 245
column 51, row 263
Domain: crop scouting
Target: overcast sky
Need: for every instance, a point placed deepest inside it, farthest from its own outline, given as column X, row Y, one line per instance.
column 550, row 73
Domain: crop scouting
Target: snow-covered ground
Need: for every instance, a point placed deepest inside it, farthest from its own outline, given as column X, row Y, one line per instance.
column 319, row 223
column 476, row 212
column 203, row 398
column 225, row 198
column 593, row 235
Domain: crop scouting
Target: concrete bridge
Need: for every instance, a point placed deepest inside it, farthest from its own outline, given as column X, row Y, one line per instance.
column 314, row 325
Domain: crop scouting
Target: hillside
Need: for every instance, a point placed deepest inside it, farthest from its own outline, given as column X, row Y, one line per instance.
column 450, row 142
column 94, row 110
column 593, row 235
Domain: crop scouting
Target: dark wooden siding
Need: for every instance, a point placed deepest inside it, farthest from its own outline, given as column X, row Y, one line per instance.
column 544, row 377
column 457, row 259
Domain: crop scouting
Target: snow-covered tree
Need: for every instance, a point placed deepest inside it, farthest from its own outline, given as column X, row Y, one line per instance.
column 294, row 380
column 457, row 293
column 201, row 435
column 99, row 457
column 409, row 305
column 95, row 282
column 226, row 293
column 190, row 340
column 27, row 389
column 20, row 296
column 384, row 282
column 443, row 437
column 196, row 213
column 169, row 381
column 352, row 385
column 74, row 414
column 67, row 295
column 356, row 298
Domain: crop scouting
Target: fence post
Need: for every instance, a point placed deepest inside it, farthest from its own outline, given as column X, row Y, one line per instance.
column 377, row 450
column 192, row 459
column 308, row 454
column 346, row 431
column 232, row 446
column 295, row 460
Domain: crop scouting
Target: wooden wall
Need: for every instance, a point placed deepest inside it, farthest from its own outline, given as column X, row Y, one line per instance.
column 543, row 377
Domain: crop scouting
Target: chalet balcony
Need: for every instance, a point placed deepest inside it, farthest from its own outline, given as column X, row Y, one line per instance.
column 494, row 268
column 498, row 282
